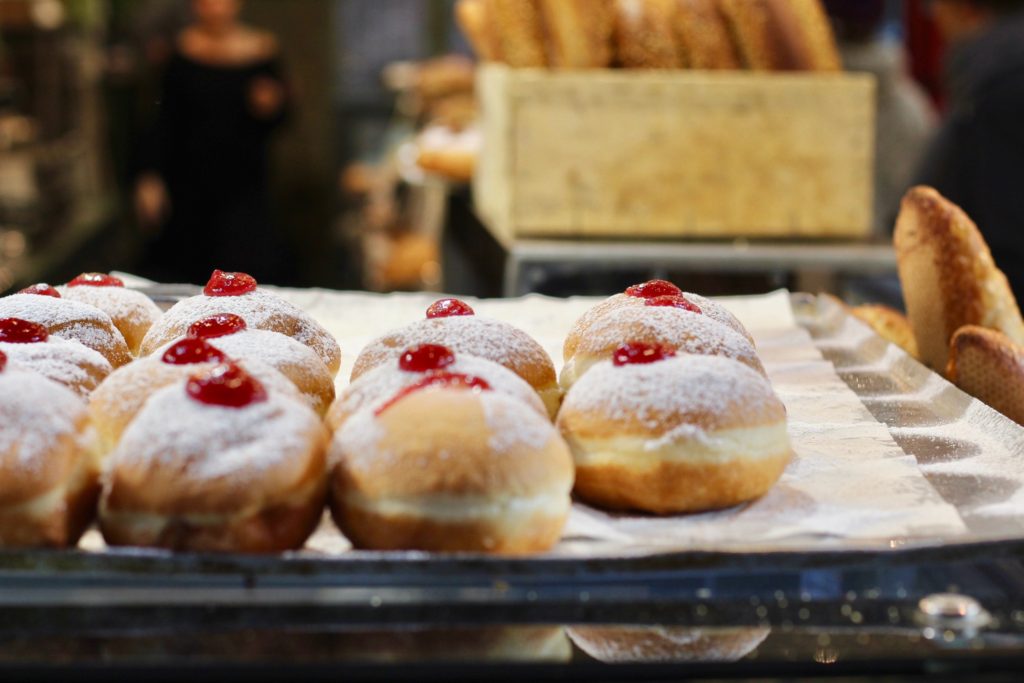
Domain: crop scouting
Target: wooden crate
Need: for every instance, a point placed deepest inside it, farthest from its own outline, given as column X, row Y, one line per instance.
column 661, row 154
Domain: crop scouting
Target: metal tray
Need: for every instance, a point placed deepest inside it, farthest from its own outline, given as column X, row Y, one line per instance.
column 965, row 449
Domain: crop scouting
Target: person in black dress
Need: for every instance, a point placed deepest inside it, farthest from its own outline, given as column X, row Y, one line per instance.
column 203, row 182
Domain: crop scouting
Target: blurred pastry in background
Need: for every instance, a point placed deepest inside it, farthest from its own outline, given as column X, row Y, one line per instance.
column 449, row 153
column 890, row 324
column 519, row 31
column 704, row 35
column 750, row 22
column 644, row 37
column 989, row 366
column 949, row 277
column 475, row 19
column 579, row 32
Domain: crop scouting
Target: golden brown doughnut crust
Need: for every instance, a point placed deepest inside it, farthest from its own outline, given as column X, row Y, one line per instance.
column 657, row 490
column 949, row 278
column 441, row 444
column 990, row 367
column 132, row 312
column 64, row 459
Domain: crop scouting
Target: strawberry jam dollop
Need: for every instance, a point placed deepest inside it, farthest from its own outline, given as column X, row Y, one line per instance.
column 653, row 288
column 41, row 289
column 447, row 380
column 229, row 284
column 447, row 308
column 96, row 280
column 220, row 325
column 226, row 385
column 3, row 361
column 192, row 351
column 18, row 331
column 426, row 357
column 637, row 353
column 678, row 301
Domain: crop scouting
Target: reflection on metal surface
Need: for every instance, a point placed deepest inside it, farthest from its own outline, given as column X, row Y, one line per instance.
column 951, row 617
column 637, row 644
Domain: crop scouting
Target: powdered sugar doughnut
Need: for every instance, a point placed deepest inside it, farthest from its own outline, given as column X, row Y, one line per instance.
column 450, row 469
column 216, row 464
column 685, row 331
column 231, row 334
column 673, row 434
column 237, row 293
column 647, row 644
column 466, row 333
column 29, row 347
column 651, row 293
column 120, row 397
column 71, row 320
column 131, row 311
column 386, row 380
column 48, row 475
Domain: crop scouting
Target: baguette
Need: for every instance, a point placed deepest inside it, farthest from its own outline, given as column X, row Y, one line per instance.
column 890, row 324
column 704, row 35
column 473, row 17
column 644, row 35
column 579, row 32
column 990, row 367
column 519, row 32
column 949, row 278
column 754, row 31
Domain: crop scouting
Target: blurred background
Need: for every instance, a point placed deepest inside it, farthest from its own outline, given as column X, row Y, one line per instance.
column 314, row 166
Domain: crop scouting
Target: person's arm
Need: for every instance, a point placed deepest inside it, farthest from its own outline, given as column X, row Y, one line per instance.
column 152, row 201
column 269, row 94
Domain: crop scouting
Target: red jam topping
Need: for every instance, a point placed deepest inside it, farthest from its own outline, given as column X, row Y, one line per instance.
column 18, row 331
column 446, row 308
column 220, row 325
column 192, row 351
column 229, row 284
column 41, row 289
column 447, row 380
column 426, row 357
column 3, row 361
column 653, row 288
column 679, row 301
column 226, row 385
column 96, row 280
column 637, row 353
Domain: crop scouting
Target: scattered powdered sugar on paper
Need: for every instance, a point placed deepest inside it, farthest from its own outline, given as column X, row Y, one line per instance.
column 513, row 425
column 61, row 360
column 215, row 441
column 36, row 413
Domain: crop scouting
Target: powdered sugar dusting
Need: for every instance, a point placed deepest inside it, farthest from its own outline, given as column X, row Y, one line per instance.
column 214, row 442
column 687, row 332
column 513, row 425
column 360, row 437
column 260, row 309
column 484, row 337
column 66, row 362
column 380, row 384
column 64, row 318
column 119, row 303
column 685, row 385
column 37, row 413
